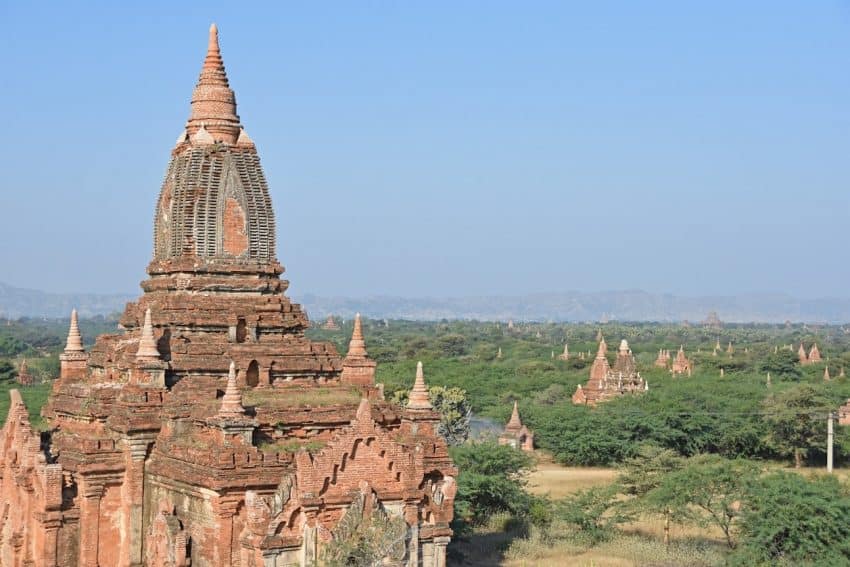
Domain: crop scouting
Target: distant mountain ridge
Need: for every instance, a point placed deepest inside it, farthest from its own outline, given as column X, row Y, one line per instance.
column 20, row 302
column 627, row 305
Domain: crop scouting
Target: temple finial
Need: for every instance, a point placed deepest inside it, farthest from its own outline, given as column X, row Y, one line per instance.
column 75, row 340
column 419, row 394
column 147, row 342
column 603, row 348
column 514, row 422
column 213, row 102
column 231, row 403
column 357, row 346
column 213, row 45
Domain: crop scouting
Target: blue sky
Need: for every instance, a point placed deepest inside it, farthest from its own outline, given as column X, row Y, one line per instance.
column 447, row 148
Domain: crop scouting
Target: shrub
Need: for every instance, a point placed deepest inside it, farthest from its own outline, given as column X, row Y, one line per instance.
column 593, row 512
column 794, row 521
column 492, row 479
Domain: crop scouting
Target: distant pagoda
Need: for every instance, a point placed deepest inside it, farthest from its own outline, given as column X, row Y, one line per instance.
column 516, row 434
column 24, row 376
column 330, row 324
column 682, row 364
column 713, row 321
column 605, row 382
column 663, row 359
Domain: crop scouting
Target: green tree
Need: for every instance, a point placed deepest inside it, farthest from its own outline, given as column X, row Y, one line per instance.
column 455, row 413
column 714, row 488
column 452, row 345
column 10, row 346
column 7, row 371
column 492, row 479
column 644, row 476
column 593, row 511
column 789, row 520
column 454, row 409
column 797, row 421
column 782, row 364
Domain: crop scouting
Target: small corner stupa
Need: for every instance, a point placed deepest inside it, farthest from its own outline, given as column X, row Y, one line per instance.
column 516, row 434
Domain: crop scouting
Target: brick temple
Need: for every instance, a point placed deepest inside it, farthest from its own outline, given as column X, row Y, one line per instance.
column 24, row 376
column 210, row 431
column 682, row 364
column 663, row 359
column 607, row 382
column 516, row 434
column 813, row 356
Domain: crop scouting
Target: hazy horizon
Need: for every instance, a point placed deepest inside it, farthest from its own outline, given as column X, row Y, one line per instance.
column 448, row 149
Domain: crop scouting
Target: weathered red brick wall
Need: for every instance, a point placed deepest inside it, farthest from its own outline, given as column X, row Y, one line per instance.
column 235, row 235
column 30, row 494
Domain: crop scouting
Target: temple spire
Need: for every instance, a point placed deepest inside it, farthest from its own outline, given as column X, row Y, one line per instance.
column 75, row 340
column 514, row 422
column 213, row 102
column 419, row 394
column 213, row 50
column 603, row 348
column 231, row 403
column 357, row 346
column 147, row 342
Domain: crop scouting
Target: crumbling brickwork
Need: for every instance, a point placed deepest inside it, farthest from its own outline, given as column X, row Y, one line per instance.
column 211, row 431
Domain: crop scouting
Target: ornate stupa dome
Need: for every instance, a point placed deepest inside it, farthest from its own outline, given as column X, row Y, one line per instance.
column 214, row 206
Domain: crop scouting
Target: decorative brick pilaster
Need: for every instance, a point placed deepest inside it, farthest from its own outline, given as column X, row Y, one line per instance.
column 134, row 485
column 224, row 510
column 89, row 524
column 440, row 545
column 51, row 540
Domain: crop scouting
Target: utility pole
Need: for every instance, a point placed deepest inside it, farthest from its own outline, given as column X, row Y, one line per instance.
column 829, row 438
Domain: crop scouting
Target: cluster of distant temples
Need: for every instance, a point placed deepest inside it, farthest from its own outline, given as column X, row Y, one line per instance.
column 607, row 382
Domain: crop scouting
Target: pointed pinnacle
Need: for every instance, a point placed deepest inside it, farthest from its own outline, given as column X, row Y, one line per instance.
column 147, row 342
column 75, row 340
column 419, row 394
column 231, row 403
column 514, row 422
column 357, row 346
column 603, row 348
column 213, row 44
column 213, row 102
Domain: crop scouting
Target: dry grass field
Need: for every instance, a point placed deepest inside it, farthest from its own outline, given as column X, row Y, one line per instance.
column 639, row 543
column 500, row 543
column 557, row 481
